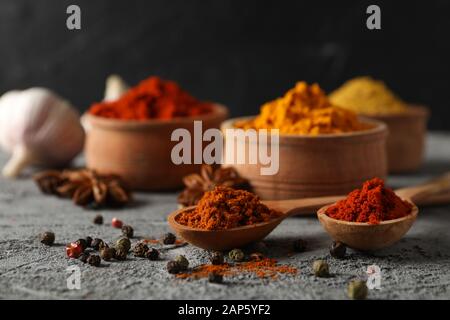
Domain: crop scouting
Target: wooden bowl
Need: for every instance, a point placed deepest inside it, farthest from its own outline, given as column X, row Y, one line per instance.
column 140, row 151
column 406, row 139
column 364, row 236
column 322, row 165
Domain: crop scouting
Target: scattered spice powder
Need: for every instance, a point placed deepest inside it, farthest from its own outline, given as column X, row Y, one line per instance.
column 226, row 208
column 265, row 268
column 305, row 109
column 365, row 95
column 152, row 98
column 372, row 204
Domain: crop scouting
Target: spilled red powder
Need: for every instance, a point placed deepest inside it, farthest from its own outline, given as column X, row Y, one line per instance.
column 372, row 203
column 152, row 98
column 265, row 268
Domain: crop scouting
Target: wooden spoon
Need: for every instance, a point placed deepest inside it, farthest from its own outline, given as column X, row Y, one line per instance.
column 238, row 237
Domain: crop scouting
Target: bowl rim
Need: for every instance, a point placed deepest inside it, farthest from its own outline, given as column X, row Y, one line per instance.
column 413, row 111
column 412, row 215
column 379, row 128
column 218, row 111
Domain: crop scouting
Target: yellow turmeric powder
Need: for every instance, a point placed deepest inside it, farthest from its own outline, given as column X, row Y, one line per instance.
column 368, row 96
column 305, row 109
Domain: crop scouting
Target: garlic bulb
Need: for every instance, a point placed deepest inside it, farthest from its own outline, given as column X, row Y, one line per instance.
column 115, row 88
column 38, row 127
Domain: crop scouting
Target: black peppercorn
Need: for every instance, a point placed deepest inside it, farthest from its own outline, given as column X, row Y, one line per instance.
column 47, row 238
column 107, row 253
column 216, row 258
column 98, row 219
column 173, row 267
column 169, row 238
column 256, row 256
column 89, row 241
column 182, row 262
column 215, row 277
column 96, row 243
column 299, row 245
column 140, row 249
column 338, row 250
column 127, row 231
column 82, row 243
column 83, row 257
column 94, row 260
column 121, row 254
column 152, row 254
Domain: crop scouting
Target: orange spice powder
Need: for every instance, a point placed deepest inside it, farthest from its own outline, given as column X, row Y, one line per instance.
column 226, row 208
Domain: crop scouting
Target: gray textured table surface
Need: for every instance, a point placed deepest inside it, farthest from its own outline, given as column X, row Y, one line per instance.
column 418, row 267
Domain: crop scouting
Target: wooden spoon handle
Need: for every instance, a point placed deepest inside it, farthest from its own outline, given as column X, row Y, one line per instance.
column 438, row 189
column 303, row 206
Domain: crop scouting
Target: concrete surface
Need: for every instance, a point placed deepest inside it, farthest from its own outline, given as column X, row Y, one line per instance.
column 416, row 268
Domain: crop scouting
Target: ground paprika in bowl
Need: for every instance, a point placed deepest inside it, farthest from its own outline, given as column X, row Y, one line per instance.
column 131, row 137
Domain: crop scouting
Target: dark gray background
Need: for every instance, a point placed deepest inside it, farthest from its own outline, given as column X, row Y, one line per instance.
column 240, row 53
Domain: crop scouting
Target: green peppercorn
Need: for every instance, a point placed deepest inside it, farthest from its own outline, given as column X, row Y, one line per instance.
column 357, row 290
column 182, row 262
column 127, row 231
column 216, row 258
column 152, row 254
column 89, row 241
column 169, row 238
column 124, row 244
column 94, row 260
column 98, row 219
column 321, row 269
column 82, row 243
column 107, row 253
column 140, row 249
column 83, row 257
column 215, row 277
column 47, row 238
column 173, row 267
column 338, row 250
column 120, row 254
column 299, row 245
column 236, row 255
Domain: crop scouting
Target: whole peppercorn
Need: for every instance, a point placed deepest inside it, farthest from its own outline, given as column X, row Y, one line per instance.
column 47, row 238
column 121, row 254
column 236, row 255
column 124, row 244
column 321, row 269
column 169, row 238
column 173, row 267
column 94, row 260
column 256, row 256
column 357, row 290
column 127, row 231
column 215, row 277
column 83, row 257
column 152, row 254
column 97, row 243
column 338, row 249
column 182, row 262
column 140, row 249
column 98, row 219
column 89, row 241
column 116, row 223
column 107, row 253
column 74, row 250
column 299, row 245
column 216, row 258
column 82, row 243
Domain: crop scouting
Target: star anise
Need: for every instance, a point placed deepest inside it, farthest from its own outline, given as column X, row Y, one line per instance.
column 198, row 184
column 85, row 187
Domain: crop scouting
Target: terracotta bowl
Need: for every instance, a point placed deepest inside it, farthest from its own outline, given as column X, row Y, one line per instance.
column 140, row 151
column 322, row 165
column 406, row 140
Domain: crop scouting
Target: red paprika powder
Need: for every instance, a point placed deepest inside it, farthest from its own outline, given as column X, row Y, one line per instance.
column 152, row 98
column 372, row 203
